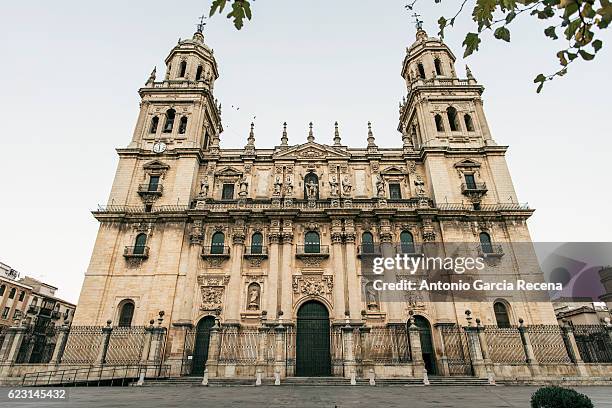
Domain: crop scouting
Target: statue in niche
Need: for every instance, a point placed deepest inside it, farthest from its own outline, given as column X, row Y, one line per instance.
column 333, row 183
column 278, row 185
column 420, row 186
column 380, row 186
column 253, row 297
column 204, row 187
column 347, row 187
column 371, row 298
column 244, row 186
column 288, row 186
column 311, row 190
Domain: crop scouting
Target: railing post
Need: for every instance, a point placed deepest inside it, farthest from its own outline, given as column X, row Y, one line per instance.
column 445, row 370
column 416, row 354
column 279, row 358
column 573, row 351
column 532, row 362
column 144, row 355
column 213, row 350
column 262, row 337
column 60, row 345
column 474, row 348
column 103, row 349
column 349, row 355
column 484, row 348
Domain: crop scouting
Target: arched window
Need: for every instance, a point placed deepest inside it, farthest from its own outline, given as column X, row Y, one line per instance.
column 406, row 243
column 439, row 123
column 2, row 289
column 501, row 315
column 12, row 293
column 126, row 314
column 312, row 243
column 421, row 70
column 21, row 295
column 183, row 125
column 311, row 186
column 154, row 124
column 257, row 243
column 170, row 114
column 469, row 125
column 206, row 140
column 199, row 73
column 485, row 243
column 140, row 244
column 367, row 243
column 452, row 118
column 218, row 243
column 183, row 69
column 438, row 66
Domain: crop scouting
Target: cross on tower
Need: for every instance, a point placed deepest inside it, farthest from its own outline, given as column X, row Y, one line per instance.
column 201, row 24
column 418, row 22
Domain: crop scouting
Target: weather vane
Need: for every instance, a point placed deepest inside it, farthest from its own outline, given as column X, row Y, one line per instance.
column 202, row 23
column 418, row 22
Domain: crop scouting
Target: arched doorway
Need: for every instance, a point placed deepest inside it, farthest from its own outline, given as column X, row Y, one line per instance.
column 427, row 349
column 200, row 348
column 313, row 358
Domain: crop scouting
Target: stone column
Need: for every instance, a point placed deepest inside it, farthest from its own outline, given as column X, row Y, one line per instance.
column 394, row 309
column 212, row 364
column 353, row 274
column 444, row 368
column 528, row 349
column 10, row 349
column 416, row 354
column 144, row 355
column 262, row 348
column 286, row 268
column 484, row 347
column 364, row 333
column 474, row 347
column 103, row 348
column 279, row 358
column 188, row 271
column 234, row 292
column 349, row 354
column 340, row 278
column 60, row 344
column 573, row 351
column 272, row 287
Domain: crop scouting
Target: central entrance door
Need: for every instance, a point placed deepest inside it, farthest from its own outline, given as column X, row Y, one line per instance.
column 427, row 348
column 200, row 350
column 313, row 358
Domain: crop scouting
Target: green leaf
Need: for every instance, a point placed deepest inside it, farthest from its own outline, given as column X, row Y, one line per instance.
column 597, row 45
column 585, row 55
column 470, row 43
column 217, row 4
column 539, row 78
column 483, row 12
column 502, row 33
column 550, row 32
column 510, row 16
column 442, row 25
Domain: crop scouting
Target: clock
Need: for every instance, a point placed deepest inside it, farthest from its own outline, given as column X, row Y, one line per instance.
column 159, row 147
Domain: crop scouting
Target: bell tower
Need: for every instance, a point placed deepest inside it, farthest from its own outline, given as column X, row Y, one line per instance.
column 440, row 109
column 180, row 111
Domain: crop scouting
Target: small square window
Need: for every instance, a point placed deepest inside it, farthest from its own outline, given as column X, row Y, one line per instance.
column 395, row 191
column 228, row 192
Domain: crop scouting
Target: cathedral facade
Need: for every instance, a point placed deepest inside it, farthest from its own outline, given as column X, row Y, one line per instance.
column 261, row 242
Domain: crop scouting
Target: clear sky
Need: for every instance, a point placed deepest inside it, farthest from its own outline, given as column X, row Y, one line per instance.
column 70, row 73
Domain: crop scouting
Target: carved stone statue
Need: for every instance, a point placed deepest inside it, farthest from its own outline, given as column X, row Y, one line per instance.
column 347, row 187
column 311, row 190
column 278, row 185
column 420, row 186
column 380, row 186
column 204, row 187
column 244, row 186
column 333, row 183
column 288, row 186
column 253, row 301
column 371, row 298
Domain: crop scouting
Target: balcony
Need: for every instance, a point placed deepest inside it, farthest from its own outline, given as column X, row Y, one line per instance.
column 150, row 189
column 33, row 309
column 473, row 189
column 312, row 250
column 490, row 250
column 141, row 252
column 216, row 251
column 256, row 251
column 369, row 250
column 410, row 249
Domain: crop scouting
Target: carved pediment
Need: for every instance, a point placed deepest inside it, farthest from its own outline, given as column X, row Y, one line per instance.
column 393, row 171
column 312, row 151
column 156, row 165
column 229, row 172
column 467, row 163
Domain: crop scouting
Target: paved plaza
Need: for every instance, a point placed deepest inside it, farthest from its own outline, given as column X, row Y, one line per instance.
column 306, row 396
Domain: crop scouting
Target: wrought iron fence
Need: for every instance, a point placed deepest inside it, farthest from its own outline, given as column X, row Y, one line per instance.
column 505, row 344
column 456, row 349
column 336, row 351
column 388, row 345
column 238, row 345
column 125, row 345
column 548, row 344
column 82, row 345
column 290, row 352
column 594, row 343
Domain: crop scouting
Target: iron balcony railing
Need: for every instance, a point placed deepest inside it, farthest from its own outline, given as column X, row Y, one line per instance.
column 33, row 309
column 409, row 249
column 137, row 251
column 490, row 250
column 150, row 188
column 312, row 249
column 473, row 188
column 216, row 250
column 372, row 249
column 256, row 250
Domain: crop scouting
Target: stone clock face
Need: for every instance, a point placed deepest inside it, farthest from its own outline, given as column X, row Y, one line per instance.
column 159, row 147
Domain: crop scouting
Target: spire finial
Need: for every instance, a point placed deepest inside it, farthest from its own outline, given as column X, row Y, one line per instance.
column 418, row 23
column 336, row 135
column 201, row 24
column 284, row 138
column 252, row 135
column 370, row 136
column 310, row 134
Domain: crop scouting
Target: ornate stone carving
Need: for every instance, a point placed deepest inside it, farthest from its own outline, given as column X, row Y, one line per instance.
column 212, row 298
column 313, row 285
column 196, row 235
column 253, row 296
